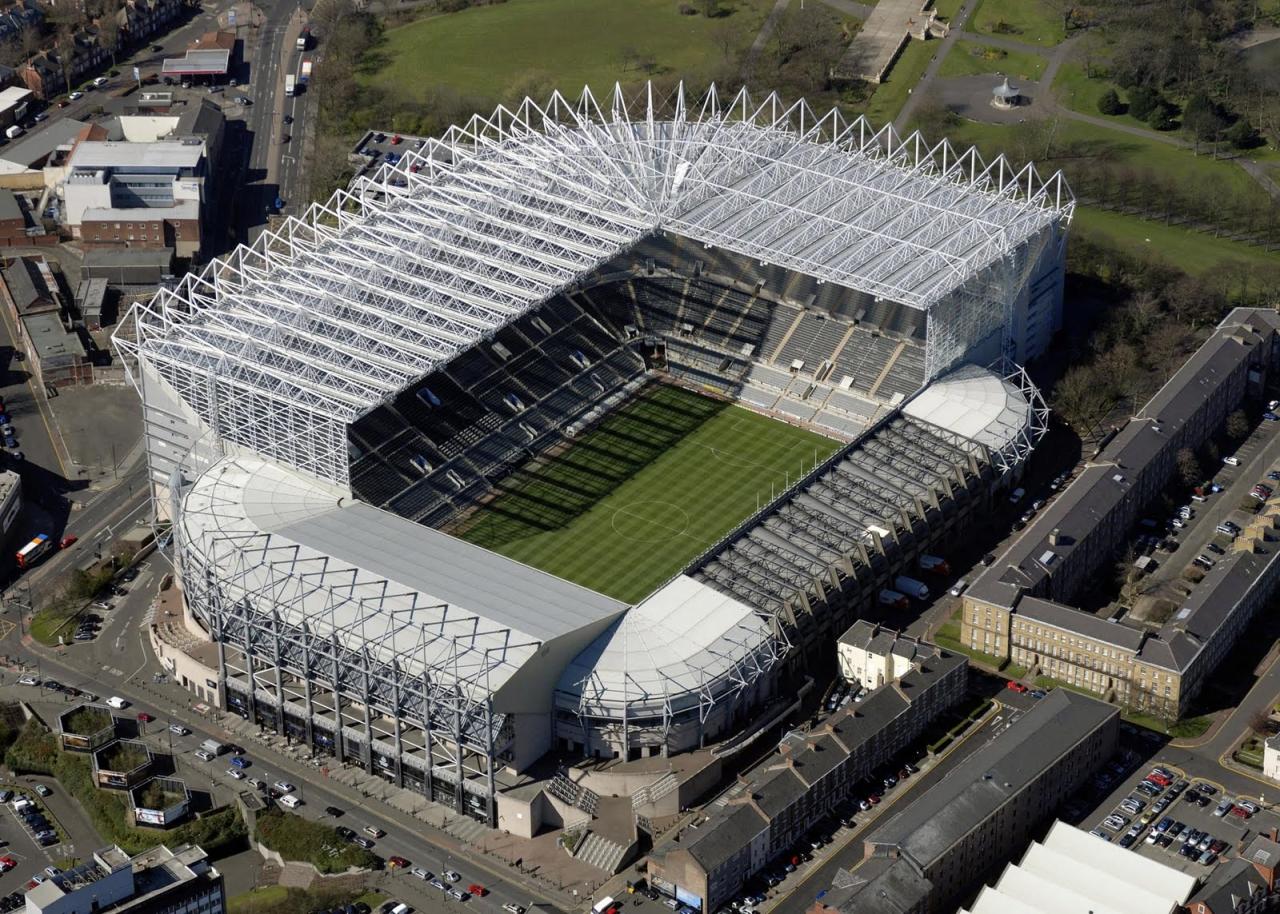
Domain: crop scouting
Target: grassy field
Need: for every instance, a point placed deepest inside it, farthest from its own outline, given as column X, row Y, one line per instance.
column 1029, row 21
column 490, row 49
column 630, row 503
column 905, row 74
column 968, row 58
column 1194, row 252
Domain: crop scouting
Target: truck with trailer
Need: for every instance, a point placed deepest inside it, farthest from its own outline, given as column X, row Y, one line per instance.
column 304, row 72
column 911, row 587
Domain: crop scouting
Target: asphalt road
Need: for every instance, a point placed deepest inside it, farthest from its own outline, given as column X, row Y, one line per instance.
column 120, row 662
column 798, row 892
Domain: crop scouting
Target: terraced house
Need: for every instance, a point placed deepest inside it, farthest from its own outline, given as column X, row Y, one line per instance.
column 811, row 775
column 1019, row 608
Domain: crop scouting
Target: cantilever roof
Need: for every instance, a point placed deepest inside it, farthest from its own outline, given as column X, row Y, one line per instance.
column 332, row 313
column 378, row 580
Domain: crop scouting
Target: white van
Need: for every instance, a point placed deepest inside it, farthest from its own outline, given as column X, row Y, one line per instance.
column 115, row 701
column 401, row 908
column 289, row 801
column 14, row 132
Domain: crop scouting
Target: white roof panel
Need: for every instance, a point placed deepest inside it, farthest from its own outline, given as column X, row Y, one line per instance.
column 975, row 404
column 476, row 228
column 683, row 637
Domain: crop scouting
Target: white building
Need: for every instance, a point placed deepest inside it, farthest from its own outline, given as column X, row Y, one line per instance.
column 158, row 881
column 112, row 175
column 1271, row 758
column 1074, row 871
column 871, row 655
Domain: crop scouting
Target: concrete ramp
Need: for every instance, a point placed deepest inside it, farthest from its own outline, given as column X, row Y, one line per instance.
column 889, row 27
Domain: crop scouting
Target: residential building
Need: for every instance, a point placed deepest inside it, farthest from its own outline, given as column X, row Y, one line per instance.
column 57, row 355
column 158, row 881
column 1071, row 868
column 1019, row 606
column 13, row 221
column 14, row 102
column 1242, row 885
column 812, row 774
column 30, row 287
column 870, row 654
column 985, row 809
column 15, row 19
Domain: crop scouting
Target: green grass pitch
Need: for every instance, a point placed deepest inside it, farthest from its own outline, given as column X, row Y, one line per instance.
column 628, row 504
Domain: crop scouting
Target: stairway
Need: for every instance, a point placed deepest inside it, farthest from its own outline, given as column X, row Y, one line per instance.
column 601, row 853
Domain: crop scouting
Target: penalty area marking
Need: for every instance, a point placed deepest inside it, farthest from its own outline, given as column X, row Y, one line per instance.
column 633, row 522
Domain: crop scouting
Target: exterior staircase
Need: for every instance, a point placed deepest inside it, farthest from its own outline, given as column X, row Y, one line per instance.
column 598, row 851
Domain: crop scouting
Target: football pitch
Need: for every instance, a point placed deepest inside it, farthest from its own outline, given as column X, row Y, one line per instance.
column 628, row 504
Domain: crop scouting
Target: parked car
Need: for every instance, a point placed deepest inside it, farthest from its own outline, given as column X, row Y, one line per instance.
column 76, row 96
column 43, row 790
column 144, row 717
column 1014, row 686
column 283, row 786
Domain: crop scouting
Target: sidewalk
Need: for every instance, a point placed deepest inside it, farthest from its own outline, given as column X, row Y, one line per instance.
column 404, row 810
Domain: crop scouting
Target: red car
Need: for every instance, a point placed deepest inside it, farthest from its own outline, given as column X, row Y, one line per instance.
column 397, row 140
column 68, row 540
column 397, row 861
column 1016, row 686
column 145, row 717
column 477, row 890
column 7, row 863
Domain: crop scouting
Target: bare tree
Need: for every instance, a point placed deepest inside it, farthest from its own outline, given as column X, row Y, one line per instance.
column 725, row 37
column 30, row 41
column 109, row 28
column 1238, row 425
column 1188, row 467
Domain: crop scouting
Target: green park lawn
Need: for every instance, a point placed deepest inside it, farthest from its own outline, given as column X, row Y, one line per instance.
column 1029, row 21
column 904, row 75
column 1192, row 251
column 968, row 58
column 566, row 43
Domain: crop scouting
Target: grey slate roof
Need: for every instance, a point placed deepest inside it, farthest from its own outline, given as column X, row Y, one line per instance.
column 984, row 781
column 1230, row 882
column 721, row 839
column 497, row 588
column 1096, row 490
column 880, row 886
column 25, row 285
column 1077, row 620
column 9, row 208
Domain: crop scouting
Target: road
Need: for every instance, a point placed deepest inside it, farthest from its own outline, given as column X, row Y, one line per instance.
column 120, row 662
column 797, row 898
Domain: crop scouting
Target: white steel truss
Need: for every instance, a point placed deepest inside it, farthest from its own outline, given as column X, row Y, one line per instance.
column 333, row 313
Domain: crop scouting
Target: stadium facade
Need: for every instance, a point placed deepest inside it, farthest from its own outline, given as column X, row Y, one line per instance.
column 324, row 407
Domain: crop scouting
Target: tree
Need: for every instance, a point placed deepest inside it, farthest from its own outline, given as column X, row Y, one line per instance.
column 30, row 41
column 1242, row 135
column 1238, row 425
column 1109, row 103
column 109, row 29
column 1188, row 467
column 1202, row 117
column 1142, row 101
column 1161, row 117
column 1260, row 722
column 711, row 9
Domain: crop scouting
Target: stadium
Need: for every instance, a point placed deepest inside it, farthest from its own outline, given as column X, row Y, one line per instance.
column 583, row 427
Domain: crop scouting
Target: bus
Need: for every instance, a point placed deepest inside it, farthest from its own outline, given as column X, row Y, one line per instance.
column 29, row 554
